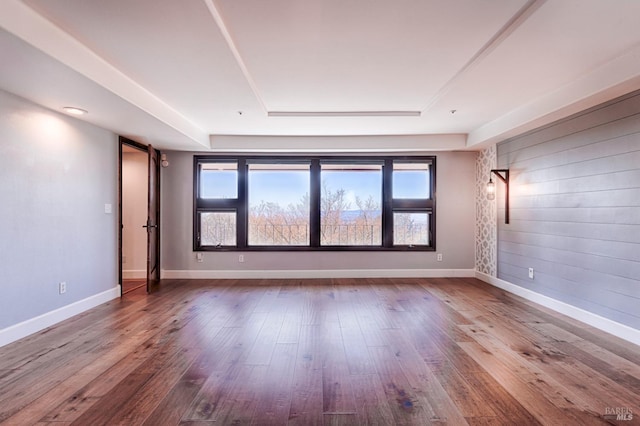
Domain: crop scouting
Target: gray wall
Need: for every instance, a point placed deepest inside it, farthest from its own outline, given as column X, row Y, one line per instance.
column 56, row 175
column 575, row 215
column 455, row 223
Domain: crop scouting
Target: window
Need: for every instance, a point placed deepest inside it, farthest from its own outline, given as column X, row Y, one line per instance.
column 412, row 203
column 351, row 204
column 218, row 229
column 219, row 180
column 314, row 203
column 278, row 204
column 411, row 180
column 215, row 222
column 410, row 228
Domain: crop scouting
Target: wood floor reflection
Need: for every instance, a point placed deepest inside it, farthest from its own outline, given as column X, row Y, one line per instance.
column 318, row 352
column 129, row 285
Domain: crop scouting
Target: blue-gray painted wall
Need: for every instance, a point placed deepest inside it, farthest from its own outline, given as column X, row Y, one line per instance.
column 575, row 210
column 56, row 175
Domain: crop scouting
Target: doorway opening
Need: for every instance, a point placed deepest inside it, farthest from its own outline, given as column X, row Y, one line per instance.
column 135, row 186
column 139, row 257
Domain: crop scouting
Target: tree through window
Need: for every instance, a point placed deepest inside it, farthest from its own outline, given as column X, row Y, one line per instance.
column 351, row 205
column 278, row 204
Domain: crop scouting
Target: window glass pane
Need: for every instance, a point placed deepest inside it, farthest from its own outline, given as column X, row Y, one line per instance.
column 279, row 204
column 219, row 180
column 351, row 205
column 218, row 229
column 411, row 180
column 410, row 229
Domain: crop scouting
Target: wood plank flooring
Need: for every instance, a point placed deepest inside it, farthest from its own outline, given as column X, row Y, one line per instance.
column 320, row 352
column 132, row 284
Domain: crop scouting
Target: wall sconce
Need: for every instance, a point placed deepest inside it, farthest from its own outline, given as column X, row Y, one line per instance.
column 503, row 175
column 163, row 160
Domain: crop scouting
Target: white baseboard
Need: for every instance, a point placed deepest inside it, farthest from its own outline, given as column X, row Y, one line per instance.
column 134, row 273
column 33, row 325
column 316, row 273
column 619, row 330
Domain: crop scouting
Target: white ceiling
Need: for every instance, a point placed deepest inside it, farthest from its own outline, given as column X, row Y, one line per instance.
column 206, row 74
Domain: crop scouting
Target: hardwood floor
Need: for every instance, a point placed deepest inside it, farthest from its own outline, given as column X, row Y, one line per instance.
column 132, row 284
column 313, row 352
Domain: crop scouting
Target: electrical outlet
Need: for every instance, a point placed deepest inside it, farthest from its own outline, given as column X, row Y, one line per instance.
column 62, row 287
column 531, row 273
column 199, row 257
column 124, row 259
column 241, row 258
column 439, row 257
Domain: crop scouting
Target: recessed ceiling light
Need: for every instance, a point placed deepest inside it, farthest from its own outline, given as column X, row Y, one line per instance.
column 74, row 111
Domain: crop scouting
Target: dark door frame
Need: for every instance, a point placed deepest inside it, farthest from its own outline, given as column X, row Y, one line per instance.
column 143, row 149
column 153, row 219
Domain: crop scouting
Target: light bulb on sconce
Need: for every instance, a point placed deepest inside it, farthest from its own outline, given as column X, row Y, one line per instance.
column 491, row 190
column 163, row 160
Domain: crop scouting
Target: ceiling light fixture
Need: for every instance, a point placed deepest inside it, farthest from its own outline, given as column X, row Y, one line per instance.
column 74, row 111
column 344, row 113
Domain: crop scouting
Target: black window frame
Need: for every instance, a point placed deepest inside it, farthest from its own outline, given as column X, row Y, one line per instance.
column 240, row 204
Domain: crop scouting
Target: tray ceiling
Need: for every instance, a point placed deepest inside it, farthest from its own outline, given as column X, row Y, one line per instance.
column 246, row 74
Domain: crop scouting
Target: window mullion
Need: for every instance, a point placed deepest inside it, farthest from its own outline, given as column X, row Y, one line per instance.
column 243, row 204
column 314, row 201
column 387, row 203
